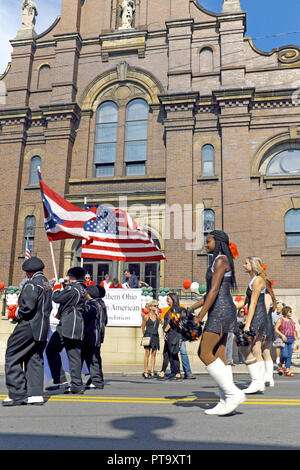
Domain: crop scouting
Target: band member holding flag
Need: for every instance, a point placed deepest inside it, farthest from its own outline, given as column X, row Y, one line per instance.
column 27, row 342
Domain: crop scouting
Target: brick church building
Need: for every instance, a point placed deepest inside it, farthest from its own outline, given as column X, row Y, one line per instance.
column 163, row 107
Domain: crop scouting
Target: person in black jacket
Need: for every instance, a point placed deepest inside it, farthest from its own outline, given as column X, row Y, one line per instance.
column 95, row 321
column 69, row 331
column 24, row 360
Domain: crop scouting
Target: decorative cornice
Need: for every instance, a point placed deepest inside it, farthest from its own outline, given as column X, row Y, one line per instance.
column 121, row 41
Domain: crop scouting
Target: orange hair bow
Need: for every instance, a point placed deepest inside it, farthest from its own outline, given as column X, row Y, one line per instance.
column 264, row 266
column 271, row 282
column 234, row 250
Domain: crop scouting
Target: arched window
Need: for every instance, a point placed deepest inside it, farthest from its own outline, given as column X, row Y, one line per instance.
column 206, row 60
column 106, row 139
column 29, row 232
column 44, row 78
column 34, row 164
column 208, row 160
column 292, row 228
column 208, row 222
column 285, row 163
column 136, row 137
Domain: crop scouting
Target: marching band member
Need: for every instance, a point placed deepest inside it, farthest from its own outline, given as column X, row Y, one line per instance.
column 27, row 342
column 69, row 331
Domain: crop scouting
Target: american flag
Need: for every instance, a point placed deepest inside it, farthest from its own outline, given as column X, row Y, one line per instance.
column 106, row 233
column 116, row 236
column 62, row 219
column 27, row 250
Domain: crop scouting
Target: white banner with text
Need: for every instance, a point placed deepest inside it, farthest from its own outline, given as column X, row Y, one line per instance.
column 124, row 307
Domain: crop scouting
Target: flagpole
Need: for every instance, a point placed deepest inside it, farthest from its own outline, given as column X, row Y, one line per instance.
column 81, row 260
column 53, row 261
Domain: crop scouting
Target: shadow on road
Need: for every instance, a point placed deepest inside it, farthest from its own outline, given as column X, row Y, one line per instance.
column 139, row 437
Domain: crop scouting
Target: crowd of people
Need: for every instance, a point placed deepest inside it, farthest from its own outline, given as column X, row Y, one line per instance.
column 256, row 322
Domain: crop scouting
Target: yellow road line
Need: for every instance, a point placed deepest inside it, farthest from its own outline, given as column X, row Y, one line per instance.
column 162, row 401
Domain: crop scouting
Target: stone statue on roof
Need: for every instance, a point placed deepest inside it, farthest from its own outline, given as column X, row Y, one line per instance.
column 127, row 12
column 231, row 6
column 29, row 14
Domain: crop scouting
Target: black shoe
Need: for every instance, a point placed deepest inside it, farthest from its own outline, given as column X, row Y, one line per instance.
column 189, row 376
column 14, row 403
column 171, row 376
column 99, row 387
column 78, row 392
column 59, row 386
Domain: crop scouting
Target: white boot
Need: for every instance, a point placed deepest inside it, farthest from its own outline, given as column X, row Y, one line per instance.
column 256, row 372
column 269, row 381
column 230, row 394
column 215, row 410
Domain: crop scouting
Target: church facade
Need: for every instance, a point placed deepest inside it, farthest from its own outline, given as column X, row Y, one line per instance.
column 163, row 108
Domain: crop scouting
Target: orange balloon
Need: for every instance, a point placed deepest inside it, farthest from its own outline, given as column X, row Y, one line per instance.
column 2, row 285
column 187, row 284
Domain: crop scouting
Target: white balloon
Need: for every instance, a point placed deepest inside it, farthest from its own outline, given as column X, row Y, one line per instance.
column 194, row 287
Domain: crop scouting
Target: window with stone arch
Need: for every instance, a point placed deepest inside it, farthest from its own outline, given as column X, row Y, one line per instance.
column 29, row 232
column 136, row 137
column 285, row 162
column 106, row 136
column 206, row 60
column 278, row 158
column 208, row 222
column 208, row 160
column 292, row 228
column 35, row 163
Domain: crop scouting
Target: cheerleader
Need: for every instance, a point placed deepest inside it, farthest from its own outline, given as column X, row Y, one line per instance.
column 257, row 325
column 221, row 310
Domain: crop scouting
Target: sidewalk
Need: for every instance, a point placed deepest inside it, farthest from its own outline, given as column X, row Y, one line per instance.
column 137, row 369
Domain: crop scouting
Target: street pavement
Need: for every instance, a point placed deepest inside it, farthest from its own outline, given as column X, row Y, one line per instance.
column 132, row 413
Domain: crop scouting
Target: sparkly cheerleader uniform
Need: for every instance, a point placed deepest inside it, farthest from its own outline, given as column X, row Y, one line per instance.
column 259, row 324
column 221, row 317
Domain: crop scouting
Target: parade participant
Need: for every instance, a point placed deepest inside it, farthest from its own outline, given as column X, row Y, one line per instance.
column 150, row 326
column 26, row 344
column 221, row 311
column 172, row 336
column 115, row 284
column 69, row 331
column 106, row 282
column 257, row 325
column 95, row 321
column 270, row 302
column 88, row 280
column 131, row 279
column 286, row 329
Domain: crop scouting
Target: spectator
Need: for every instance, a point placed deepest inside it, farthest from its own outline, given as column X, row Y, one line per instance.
column 241, row 319
column 150, row 326
column 131, row 279
column 88, row 280
column 115, row 284
column 277, row 343
column 172, row 336
column 183, row 352
column 106, row 282
column 286, row 329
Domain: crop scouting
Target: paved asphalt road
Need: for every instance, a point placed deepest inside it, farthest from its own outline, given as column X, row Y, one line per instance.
column 132, row 413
